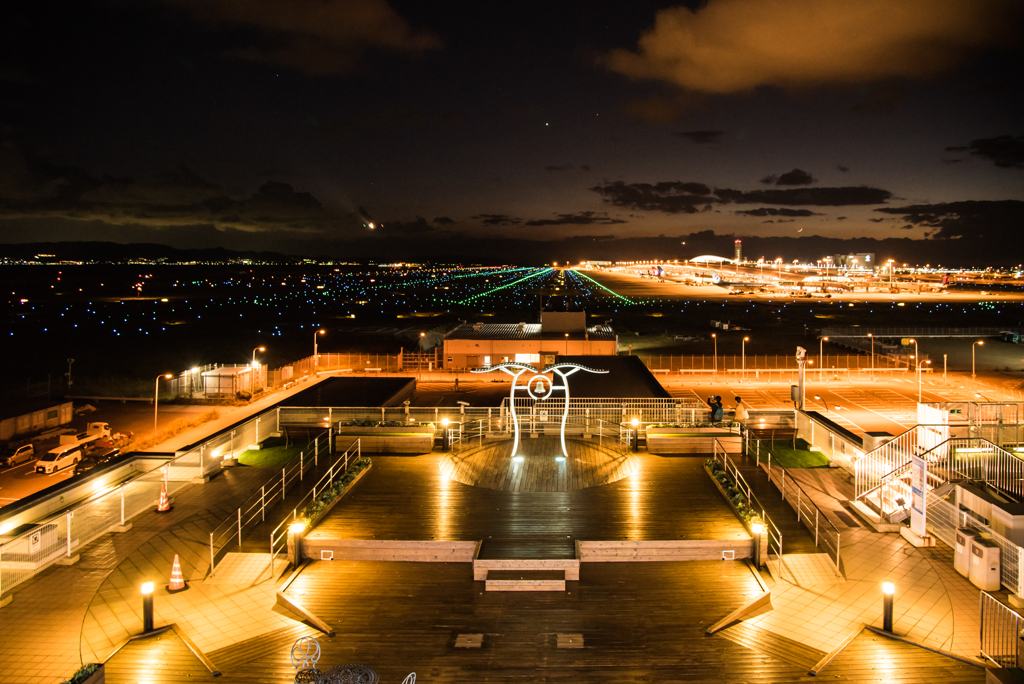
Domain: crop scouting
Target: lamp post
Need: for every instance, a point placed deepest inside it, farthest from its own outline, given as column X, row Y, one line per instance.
column 316, row 355
column 156, row 397
column 973, row 374
column 757, row 529
column 872, row 337
column 566, row 344
column 888, row 591
column 743, row 358
column 257, row 349
column 147, row 607
column 890, row 273
column 821, row 351
column 715, row 338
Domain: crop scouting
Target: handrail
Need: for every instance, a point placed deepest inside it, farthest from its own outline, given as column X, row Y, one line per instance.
column 745, row 489
column 802, row 497
column 1000, row 631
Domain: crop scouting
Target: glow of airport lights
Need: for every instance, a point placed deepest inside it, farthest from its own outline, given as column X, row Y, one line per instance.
column 502, row 287
column 605, row 288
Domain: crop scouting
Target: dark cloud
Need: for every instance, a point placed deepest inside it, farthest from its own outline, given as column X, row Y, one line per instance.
column 31, row 187
column 701, row 137
column 842, row 168
column 675, row 197
column 562, row 167
column 769, row 180
column 669, row 197
column 1006, row 151
column 443, row 221
column 315, row 36
column 661, row 110
column 497, row 219
column 580, row 218
column 831, row 197
column 999, row 220
column 840, row 218
column 796, row 177
column 739, row 45
column 771, row 211
column 417, row 227
column 877, row 220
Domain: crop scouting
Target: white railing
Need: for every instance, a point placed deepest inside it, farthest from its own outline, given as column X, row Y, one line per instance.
column 279, row 535
column 473, row 433
column 825, row 533
column 1000, row 631
column 253, row 511
column 774, row 534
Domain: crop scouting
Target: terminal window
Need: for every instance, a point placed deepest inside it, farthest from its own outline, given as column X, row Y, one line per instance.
column 527, row 358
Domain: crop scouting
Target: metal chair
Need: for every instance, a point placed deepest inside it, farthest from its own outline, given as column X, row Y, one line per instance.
column 305, row 655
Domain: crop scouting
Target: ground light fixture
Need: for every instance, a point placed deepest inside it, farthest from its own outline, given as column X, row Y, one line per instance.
column 559, row 459
column 888, row 591
column 297, row 527
column 636, row 433
column 147, row 607
column 758, row 530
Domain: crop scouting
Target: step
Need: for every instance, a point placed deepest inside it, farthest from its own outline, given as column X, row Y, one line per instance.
column 569, row 566
column 528, row 580
column 663, row 550
column 415, row 551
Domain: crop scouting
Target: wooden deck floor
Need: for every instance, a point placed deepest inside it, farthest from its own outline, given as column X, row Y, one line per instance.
column 639, row 622
column 492, row 467
column 410, row 498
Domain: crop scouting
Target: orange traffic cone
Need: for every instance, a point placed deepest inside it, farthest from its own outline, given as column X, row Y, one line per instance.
column 177, row 581
column 165, row 504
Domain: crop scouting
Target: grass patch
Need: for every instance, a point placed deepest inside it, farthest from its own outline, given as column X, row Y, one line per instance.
column 274, row 454
column 786, row 456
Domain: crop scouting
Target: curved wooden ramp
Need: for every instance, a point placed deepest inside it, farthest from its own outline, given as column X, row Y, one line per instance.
column 491, row 466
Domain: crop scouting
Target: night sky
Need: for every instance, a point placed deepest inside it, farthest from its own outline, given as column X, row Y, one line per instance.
column 291, row 126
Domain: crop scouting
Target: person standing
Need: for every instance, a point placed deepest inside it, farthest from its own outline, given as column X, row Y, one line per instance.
column 741, row 411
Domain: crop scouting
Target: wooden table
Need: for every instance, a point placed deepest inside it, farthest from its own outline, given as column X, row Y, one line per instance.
column 349, row 674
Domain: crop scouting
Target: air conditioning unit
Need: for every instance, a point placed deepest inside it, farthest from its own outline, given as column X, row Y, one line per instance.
column 962, row 550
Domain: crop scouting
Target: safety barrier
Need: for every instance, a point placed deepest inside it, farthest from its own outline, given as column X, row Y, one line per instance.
column 1000, row 631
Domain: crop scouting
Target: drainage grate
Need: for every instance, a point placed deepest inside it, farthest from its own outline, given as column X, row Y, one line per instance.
column 469, row 641
column 570, row 640
column 847, row 519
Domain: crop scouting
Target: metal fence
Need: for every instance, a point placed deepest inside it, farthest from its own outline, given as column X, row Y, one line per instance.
column 341, row 464
column 913, row 332
column 473, row 433
column 253, row 511
column 774, row 534
column 825, row 533
column 751, row 362
column 1000, row 631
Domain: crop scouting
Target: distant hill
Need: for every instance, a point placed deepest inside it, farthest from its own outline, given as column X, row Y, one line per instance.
column 115, row 252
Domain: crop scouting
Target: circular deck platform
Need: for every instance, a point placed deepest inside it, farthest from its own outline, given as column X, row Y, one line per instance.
column 491, row 466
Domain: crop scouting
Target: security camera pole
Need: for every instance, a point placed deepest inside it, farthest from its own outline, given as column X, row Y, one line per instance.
column 801, row 358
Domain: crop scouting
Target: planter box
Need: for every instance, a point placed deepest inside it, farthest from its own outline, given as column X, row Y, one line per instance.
column 408, row 439
column 97, row 677
column 721, row 490
column 310, row 524
column 684, row 440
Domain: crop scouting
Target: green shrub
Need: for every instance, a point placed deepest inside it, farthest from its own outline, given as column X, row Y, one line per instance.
column 82, row 673
column 736, row 497
column 327, row 496
column 382, row 423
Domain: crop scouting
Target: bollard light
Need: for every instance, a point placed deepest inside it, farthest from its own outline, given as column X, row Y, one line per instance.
column 636, row 433
column 888, row 590
column 758, row 530
column 297, row 527
column 147, row 607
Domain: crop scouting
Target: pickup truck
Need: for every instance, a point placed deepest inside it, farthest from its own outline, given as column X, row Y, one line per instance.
column 94, row 432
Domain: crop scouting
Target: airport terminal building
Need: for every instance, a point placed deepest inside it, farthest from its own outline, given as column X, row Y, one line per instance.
column 560, row 333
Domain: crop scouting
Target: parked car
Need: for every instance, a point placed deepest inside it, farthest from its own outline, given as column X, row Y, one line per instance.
column 59, row 458
column 14, row 455
column 98, row 457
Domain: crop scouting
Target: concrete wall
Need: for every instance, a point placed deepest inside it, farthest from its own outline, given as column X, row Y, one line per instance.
column 829, row 440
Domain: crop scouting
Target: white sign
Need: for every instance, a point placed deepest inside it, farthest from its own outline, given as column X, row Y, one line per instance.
column 33, row 542
column 918, row 480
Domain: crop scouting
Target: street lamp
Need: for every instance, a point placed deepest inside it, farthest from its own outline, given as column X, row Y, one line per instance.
column 919, row 363
column 973, row 375
column 257, row 349
column 715, row 338
column 567, row 344
column 316, row 356
column 821, row 349
column 872, row 353
column 156, row 397
column 743, row 363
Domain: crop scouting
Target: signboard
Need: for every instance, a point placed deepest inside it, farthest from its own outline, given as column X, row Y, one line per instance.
column 33, row 542
column 918, row 480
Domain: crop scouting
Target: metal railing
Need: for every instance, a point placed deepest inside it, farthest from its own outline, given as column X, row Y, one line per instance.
column 774, row 534
column 253, row 511
column 473, row 433
column 1000, row 631
column 807, row 512
column 279, row 535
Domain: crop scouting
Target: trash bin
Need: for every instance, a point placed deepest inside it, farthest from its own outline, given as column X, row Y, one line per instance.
column 984, row 572
column 962, row 550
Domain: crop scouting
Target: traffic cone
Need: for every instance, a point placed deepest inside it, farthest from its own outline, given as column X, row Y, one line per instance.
column 177, row 581
column 165, row 504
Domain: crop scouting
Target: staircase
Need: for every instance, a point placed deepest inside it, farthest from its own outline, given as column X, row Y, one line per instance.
column 526, row 574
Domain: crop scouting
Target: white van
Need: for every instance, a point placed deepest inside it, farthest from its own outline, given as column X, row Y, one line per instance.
column 61, row 457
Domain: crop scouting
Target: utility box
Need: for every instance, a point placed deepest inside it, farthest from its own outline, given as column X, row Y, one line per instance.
column 962, row 550
column 984, row 572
